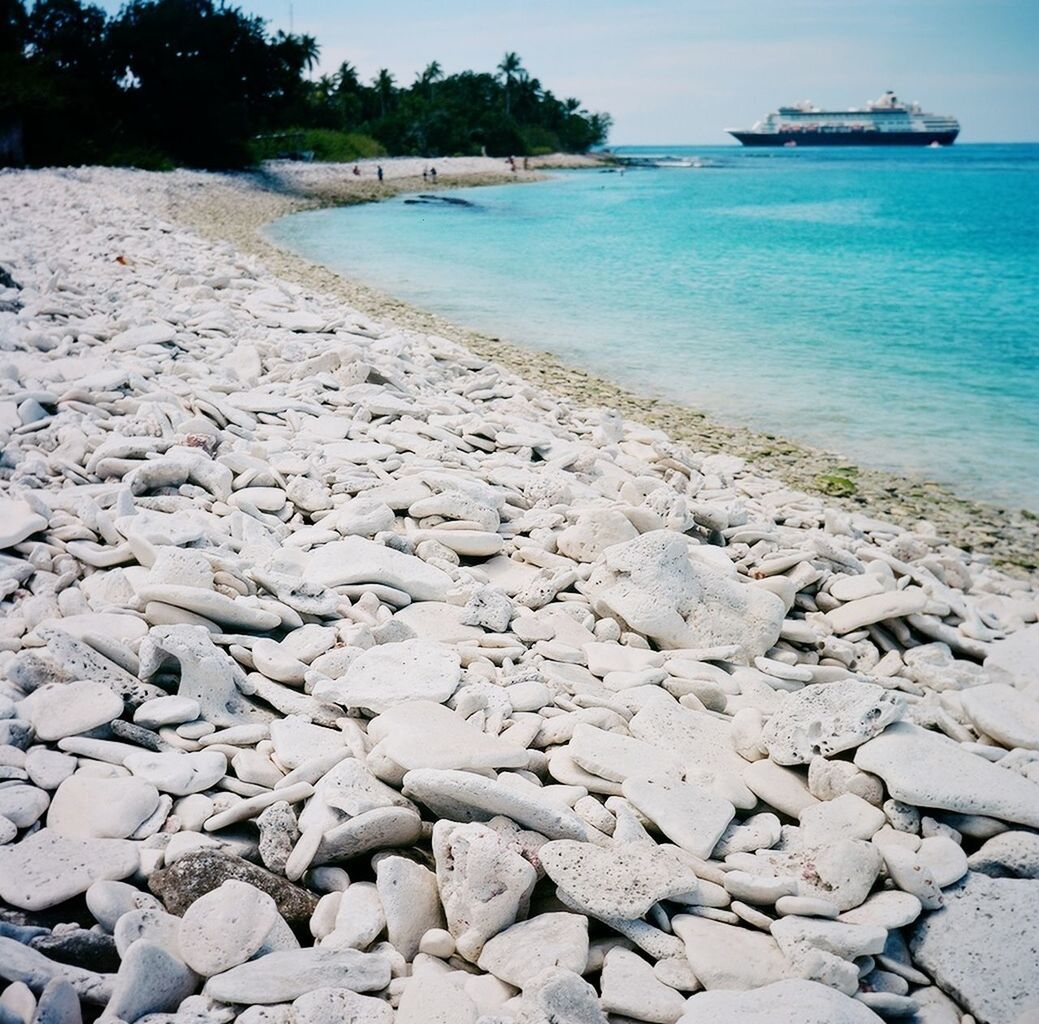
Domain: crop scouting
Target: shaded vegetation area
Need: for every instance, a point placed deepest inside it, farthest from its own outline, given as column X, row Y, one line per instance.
column 198, row 83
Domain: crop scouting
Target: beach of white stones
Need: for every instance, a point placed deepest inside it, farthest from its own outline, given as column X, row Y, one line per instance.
column 347, row 678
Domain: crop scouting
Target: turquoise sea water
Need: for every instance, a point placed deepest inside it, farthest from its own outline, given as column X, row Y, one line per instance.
column 880, row 303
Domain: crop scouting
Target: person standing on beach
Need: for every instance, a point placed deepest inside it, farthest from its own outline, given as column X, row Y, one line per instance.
column 357, row 170
column 425, row 174
column 378, row 171
column 433, row 175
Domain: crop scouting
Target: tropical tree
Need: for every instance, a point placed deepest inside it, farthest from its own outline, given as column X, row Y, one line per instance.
column 510, row 68
column 432, row 74
column 383, row 83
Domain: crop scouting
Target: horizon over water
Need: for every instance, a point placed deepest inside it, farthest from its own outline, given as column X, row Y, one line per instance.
column 879, row 303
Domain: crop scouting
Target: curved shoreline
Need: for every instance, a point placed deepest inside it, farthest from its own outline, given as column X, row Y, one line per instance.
column 236, row 208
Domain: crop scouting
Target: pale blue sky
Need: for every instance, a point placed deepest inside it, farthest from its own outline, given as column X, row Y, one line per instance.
column 684, row 70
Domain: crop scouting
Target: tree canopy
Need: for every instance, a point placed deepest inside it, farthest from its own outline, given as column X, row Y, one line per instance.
column 200, row 83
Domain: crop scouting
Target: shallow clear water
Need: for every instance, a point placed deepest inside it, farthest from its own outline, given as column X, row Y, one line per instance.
column 880, row 303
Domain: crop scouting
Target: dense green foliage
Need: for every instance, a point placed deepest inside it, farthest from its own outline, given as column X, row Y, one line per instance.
column 198, row 83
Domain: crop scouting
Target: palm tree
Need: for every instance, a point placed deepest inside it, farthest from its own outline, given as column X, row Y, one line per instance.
column 571, row 105
column 432, row 74
column 348, row 78
column 383, row 83
column 300, row 51
column 511, row 68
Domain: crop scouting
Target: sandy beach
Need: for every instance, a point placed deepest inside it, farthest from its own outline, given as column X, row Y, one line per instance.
column 238, row 209
column 353, row 666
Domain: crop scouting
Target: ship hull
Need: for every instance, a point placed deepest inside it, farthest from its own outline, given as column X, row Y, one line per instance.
column 845, row 138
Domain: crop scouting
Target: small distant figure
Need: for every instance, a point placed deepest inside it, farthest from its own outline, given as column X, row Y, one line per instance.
column 512, row 164
column 378, row 171
column 425, row 174
column 357, row 171
column 433, row 175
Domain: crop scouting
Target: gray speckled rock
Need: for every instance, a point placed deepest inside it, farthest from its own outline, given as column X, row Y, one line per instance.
column 928, row 770
column 283, row 976
column 47, row 868
column 619, row 881
column 194, row 874
column 782, row 1002
column 824, row 720
column 982, row 947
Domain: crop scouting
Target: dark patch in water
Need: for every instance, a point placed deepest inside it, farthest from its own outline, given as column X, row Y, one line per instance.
column 424, row 199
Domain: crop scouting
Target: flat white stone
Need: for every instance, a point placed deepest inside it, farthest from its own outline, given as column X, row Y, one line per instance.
column 227, row 926
column 889, row 908
column 339, row 1006
column 845, row 817
column 616, row 757
column 160, row 711
column 18, row 522
column 434, row 999
column 58, row 710
column 393, row 674
column 178, row 773
column 464, row 796
column 867, row 610
column 630, row 987
column 410, row 900
column 618, row 881
column 46, row 868
column 691, row 816
column 358, row 560
column 981, row 947
column 1013, row 659
column 422, row 734
column 297, row 741
column 730, row 957
column 520, row 953
column 701, row 742
column 285, row 975
column 1004, row 713
column 97, row 808
column 928, row 770
column 781, row 1002
column 359, row 919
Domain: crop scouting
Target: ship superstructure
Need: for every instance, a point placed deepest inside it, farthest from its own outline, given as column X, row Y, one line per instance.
column 884, row 122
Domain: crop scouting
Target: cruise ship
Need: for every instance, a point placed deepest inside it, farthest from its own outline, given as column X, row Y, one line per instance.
column 884, row 122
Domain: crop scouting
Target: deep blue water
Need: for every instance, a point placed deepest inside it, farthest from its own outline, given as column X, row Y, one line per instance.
column 881, row 303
